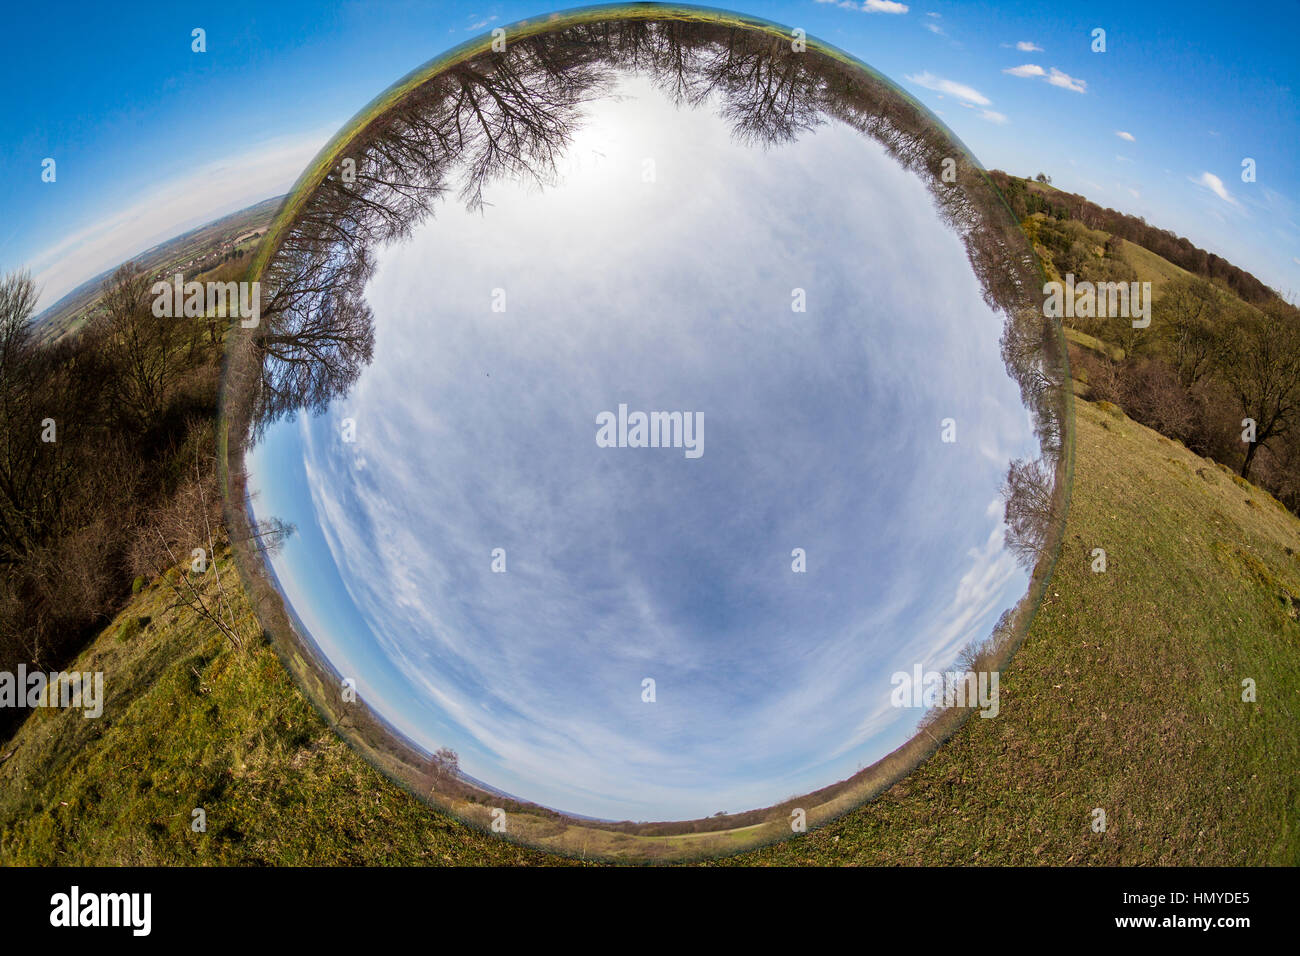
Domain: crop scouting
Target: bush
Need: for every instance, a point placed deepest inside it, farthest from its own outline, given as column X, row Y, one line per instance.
column 131, row 628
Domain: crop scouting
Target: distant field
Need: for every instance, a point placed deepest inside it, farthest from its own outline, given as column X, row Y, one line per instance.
column 175, row 255
column 1126, row 696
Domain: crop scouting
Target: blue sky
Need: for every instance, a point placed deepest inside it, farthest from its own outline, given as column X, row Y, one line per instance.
column 476, row 430
column 151, row 138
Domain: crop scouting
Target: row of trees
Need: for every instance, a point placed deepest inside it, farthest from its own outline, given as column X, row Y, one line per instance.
column 1025, row 201
column 106, row 464
column 1073, row 248
column 1206, row 369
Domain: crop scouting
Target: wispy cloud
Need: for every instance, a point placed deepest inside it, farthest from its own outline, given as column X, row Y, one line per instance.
column 1066, row 81
column 1054, row 76
column 961, row 91
column 993, row 116
column 1027, row 46
column 870, row 6
column 1127, row 137
column 1215, row 185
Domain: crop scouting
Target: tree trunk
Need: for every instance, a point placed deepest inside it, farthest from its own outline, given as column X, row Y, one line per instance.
column 1250, row 454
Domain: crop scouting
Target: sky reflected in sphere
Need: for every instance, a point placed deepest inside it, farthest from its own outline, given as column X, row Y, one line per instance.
column 806, row 306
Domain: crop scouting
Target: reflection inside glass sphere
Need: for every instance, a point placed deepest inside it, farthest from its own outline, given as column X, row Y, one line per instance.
column 656, row 406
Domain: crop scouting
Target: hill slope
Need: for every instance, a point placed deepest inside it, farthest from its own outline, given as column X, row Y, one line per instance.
column 1126, row 696
column 1149, row 266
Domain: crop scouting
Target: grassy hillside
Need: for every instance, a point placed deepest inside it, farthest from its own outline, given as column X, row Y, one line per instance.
column 1028, row 198
column 1149, row 266
column 1126, row 696
column 1084, row 340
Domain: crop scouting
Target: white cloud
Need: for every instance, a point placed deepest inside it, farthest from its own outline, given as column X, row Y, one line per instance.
column 1215, row 185
column 1127, row 137
column 1029, row 69
column 1025, row 46
column 1066, row 81
column 1056, row 77
column 963, row 92
column 993, row 116
column 870, row 6
column 934, row 28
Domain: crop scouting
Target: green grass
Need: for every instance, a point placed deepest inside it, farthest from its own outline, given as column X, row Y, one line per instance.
column 1126, row 695
column 1095, row 344
column 1150, row 267
column 191, row 723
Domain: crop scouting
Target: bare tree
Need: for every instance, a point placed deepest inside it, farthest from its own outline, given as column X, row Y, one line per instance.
column 142, row 344
column 444, row 768
column 1262, row 367
column 492, row 116
column 178, row 543
column 1190, row 316
column 17, row 304
column 1030, row 508
column 1026, row 337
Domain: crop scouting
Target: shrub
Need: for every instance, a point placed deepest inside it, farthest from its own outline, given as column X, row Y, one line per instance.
column 131, row 628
